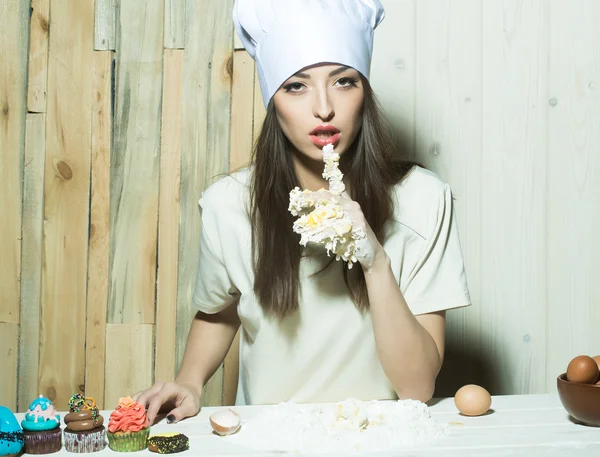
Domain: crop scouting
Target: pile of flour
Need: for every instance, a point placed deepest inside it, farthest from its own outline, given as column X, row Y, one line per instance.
column 348, row 426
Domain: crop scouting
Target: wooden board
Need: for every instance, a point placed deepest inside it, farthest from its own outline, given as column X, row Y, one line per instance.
column 259, row 110
column 38, row 56
column 573, row 191
column 129, row 355
column 206, row 142
column 9, row 351
column 31, row 258
column 242, row 101
column 237, row 43
column 105, row 25
column 242, row 113
column 231, row 371
column 135, row 160
column 513, row 287
column 212, row 395
column 393, row 70
column 98, row 271
column 174, row 24
column 168, row 215
column 66, row 201
column 13, row 48
column 448, row 125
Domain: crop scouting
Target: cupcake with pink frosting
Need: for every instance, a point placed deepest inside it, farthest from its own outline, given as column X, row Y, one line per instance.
column 41, row 428
column 128, row 427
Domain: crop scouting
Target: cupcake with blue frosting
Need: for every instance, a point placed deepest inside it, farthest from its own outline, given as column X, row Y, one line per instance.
column 11, row 435
column 41, row 428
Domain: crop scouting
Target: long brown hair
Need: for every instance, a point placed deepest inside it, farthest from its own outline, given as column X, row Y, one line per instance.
column 372, row 170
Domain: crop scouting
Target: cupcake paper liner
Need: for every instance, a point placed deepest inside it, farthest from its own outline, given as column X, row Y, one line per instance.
column 128, row 441
column 44, row 442
column 81, row 442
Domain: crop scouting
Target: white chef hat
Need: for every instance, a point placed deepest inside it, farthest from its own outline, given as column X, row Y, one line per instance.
column 284, row 36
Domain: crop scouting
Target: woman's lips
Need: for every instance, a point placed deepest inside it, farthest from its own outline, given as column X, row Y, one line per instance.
column 321, row 141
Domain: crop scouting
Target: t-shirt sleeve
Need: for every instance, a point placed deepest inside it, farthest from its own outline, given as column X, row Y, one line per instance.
column 214, row 290
column 438, row 280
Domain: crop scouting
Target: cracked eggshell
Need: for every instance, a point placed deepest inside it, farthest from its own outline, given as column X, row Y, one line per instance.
column 225, row 421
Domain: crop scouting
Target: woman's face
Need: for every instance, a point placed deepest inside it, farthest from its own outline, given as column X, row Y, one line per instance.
column 320, row 105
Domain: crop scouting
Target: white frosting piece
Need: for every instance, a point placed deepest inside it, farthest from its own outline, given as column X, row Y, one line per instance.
column 323, row 221
column 332, row 172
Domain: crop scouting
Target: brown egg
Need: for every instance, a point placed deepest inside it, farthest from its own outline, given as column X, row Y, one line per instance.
column 472, row 400
column 583, row 369
column 597, row 359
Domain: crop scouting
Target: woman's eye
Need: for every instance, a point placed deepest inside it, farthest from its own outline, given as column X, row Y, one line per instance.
column 293, row 87
column 346, row 82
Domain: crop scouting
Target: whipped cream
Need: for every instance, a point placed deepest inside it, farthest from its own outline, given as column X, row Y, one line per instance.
column 322, row 220
column 332, row 172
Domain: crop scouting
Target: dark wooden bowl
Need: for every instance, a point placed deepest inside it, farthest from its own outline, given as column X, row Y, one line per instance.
column 582, row 401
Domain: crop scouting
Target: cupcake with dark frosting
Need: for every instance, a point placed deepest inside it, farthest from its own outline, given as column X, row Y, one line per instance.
column 11, row 435
column 41, row 427
column 84, row 431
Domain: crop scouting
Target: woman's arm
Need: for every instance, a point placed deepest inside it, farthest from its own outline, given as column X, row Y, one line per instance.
column 208, row 342
column 410, row 349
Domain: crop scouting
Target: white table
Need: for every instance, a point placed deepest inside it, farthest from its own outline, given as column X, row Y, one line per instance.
column 518, row 425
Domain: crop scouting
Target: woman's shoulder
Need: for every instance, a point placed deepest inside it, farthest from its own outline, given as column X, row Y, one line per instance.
column 230, row 191
column 418, row 198
column 420, row 181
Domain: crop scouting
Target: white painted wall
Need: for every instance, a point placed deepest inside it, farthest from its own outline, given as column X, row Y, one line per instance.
column 502, row 100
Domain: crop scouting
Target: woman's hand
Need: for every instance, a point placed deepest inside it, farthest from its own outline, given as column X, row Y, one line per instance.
column 179, row 399
column 370, row 252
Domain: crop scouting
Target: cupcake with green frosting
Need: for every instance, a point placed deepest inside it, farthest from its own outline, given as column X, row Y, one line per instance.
column 41, row 428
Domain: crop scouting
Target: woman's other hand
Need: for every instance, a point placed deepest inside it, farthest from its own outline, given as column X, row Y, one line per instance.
column 369, row 250
column 178, row 399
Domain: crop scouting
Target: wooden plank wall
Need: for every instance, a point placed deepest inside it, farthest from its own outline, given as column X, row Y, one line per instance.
column 13, row 108
column 115, row 116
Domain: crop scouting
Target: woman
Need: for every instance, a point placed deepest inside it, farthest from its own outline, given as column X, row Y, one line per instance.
column 314, row 330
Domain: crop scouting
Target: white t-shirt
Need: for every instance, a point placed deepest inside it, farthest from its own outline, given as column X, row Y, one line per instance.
column 326, row 351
